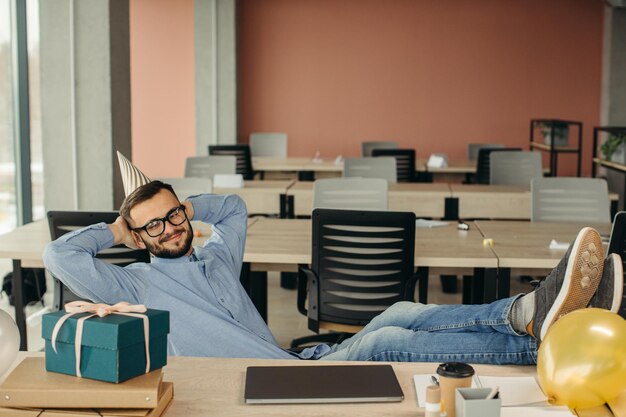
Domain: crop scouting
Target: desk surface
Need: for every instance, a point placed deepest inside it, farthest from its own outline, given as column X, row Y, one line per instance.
column 424, row 199
column 288, row 241
column 215, row 386
column 525, row 244
column 260, row 163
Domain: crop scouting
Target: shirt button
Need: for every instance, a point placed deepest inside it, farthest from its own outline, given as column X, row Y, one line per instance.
column 222, row 300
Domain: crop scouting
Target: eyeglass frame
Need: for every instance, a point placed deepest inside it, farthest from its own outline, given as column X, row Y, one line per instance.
column 163, row 220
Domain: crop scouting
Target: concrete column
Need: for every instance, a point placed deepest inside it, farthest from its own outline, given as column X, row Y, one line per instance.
column 613, row 111
column 85, row 96
column 216, row 73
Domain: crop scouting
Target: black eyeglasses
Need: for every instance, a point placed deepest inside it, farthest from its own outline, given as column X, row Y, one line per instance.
column 156, row 227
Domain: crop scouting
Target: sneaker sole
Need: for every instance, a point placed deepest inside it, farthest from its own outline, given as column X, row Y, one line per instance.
column 618, row 283
column 582, row 276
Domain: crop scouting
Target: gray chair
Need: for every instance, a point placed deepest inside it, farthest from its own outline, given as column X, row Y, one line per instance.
column 188, row 186
column 350, row 193
column 208, row 166
column 473, row 148
column 368, row 147
column 564, row 199
column 370, row 167
column 268, row 144
column 514, row 168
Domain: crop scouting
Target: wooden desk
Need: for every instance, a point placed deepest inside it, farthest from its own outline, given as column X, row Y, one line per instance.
column 306, row 168
column 283, row 244
column 424, row 199
column 215, row 386
column 498, row 202
column 492, row 201
column 525, row 245
column 261, row 197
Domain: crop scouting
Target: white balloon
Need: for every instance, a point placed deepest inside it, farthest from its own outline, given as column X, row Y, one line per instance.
column 9, row 341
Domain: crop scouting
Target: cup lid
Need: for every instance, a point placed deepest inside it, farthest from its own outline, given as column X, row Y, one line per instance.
column 455, row 370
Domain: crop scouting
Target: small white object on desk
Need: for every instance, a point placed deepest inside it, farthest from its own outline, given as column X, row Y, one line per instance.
column 339, row 160
column 228, row 181
column 558, row 245
column 430, row 223
column 316, row 159
column 437, row 160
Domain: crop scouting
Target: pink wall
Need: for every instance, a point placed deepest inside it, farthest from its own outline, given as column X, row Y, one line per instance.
column 433, row 75
column 162, row 85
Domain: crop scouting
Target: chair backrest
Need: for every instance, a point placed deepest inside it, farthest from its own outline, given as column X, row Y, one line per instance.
column 371, row 168
column 472, row 149
column 483, row 163
column 617, row 244
column 62, row 222
column 269, row 144
column 564, row 199
column 350, row 193
column 515, row 168
column 364, row 262
column 188, row 186
column 242, row 152
column 208, row 166
column 405, row 162
column 368, row 147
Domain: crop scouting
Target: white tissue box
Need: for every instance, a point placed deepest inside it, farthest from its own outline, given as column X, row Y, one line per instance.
column 437, row 160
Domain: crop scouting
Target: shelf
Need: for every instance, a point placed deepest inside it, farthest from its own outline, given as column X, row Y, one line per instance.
column 545, row 147
column 553, row 150
column 609, row 164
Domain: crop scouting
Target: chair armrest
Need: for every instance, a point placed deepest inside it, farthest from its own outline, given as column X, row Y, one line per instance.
column 305, row 276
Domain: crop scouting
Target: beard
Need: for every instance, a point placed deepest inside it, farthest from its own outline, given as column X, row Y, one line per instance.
column 159, row 250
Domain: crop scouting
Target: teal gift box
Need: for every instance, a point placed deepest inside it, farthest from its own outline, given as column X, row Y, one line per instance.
column 112, row 347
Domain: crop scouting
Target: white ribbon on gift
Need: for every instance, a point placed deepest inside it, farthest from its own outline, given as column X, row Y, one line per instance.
column 101, row 310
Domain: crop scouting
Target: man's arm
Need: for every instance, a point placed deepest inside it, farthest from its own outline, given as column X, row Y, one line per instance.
column 229, row 218
column 71, row 259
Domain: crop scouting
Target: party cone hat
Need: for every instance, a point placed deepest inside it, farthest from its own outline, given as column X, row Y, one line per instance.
column 132, row 177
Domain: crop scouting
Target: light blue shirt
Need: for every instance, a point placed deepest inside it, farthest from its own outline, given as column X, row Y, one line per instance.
column 210, row 312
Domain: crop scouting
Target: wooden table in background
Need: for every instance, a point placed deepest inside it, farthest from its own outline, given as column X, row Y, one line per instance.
column 306, row 168
column 424, row 199
column 525, row 245
column 283, row 244
column 261, row 197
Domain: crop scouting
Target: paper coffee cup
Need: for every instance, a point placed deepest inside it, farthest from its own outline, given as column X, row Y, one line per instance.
column 453, row 375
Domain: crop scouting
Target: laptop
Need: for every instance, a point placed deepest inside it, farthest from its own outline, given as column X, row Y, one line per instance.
column 321, row 384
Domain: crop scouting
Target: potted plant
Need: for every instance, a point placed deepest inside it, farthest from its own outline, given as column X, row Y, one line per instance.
column 613, row 148
column 558, row 131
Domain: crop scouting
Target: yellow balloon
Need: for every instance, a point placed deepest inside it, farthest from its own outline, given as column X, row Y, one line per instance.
column 581, row 362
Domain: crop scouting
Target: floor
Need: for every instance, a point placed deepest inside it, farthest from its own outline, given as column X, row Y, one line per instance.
column 284, row 319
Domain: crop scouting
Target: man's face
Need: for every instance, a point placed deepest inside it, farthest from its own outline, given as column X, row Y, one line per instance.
column 175, row 241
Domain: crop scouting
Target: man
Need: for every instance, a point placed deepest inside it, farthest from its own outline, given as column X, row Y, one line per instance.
column 211, row 315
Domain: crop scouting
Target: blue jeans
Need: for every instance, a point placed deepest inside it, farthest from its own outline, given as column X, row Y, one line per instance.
column 411, row 332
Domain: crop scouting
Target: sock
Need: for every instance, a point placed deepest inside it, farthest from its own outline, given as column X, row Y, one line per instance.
column 522, row 312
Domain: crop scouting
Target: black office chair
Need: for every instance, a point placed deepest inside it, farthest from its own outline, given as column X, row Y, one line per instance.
column 483, row 164
column 362, row 262
column 62, row 222
column 242, row 152
column 405, row 162
column 617, row 244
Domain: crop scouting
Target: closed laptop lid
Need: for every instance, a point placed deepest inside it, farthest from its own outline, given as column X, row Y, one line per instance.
column 321, row 384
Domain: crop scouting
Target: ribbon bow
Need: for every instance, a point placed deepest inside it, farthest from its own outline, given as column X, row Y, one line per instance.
column 100, row 310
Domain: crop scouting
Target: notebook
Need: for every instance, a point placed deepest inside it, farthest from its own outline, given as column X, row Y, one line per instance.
column 321, row 384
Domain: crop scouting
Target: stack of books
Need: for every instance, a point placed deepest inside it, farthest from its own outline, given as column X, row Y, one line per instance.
column 31, row 391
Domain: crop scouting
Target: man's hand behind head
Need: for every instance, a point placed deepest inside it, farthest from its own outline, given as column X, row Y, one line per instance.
column 122, row 234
